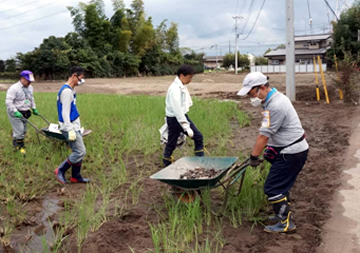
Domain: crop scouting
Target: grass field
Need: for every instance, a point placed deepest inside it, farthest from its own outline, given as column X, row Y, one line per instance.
column 125, row 128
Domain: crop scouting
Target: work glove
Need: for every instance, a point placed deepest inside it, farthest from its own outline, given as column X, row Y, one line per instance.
column 188, row 130
column 72, row 135
column 35, row 111
column 17, row 114
column 255, row 161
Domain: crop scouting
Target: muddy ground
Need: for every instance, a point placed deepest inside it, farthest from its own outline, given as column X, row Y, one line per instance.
column 327, row 126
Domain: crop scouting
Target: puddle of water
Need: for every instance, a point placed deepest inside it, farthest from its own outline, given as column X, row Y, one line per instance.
column 43, row 231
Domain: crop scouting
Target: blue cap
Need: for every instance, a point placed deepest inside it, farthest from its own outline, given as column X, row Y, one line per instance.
column 28, row 75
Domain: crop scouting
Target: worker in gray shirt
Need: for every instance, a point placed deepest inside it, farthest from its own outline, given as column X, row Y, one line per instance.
column 19, row 100
column 286, row 147
column 69, row 120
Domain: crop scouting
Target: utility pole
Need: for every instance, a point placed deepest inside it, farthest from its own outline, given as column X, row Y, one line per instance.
column 290, row 51
column 216, row 58
column 236, row 39
column 229, row 46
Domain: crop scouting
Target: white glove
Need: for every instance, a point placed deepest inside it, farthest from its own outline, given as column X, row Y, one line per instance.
column 72, row 135
column 188, row 130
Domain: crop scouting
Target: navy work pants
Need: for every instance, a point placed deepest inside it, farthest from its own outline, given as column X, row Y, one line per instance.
column 283, row 173
column 174, row 130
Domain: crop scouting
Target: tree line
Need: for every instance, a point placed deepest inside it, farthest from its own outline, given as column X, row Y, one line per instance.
column 125, row 44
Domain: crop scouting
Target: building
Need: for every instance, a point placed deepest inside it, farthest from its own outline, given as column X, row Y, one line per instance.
column 252, row 59
column 210, row 61
column 306, row 47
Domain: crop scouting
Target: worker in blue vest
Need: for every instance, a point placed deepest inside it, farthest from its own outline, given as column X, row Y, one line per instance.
column 69, row 120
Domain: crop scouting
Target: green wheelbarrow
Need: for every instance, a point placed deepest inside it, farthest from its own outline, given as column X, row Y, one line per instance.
column 228, row 174
column 52, row 132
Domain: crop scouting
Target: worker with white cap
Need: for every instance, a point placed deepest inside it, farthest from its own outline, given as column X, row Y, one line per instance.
column 19, row 100
column 282, row 134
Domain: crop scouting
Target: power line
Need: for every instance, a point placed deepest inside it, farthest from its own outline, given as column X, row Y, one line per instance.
column 327, row 3
column 20, row 6
column 35, row 9
column 248, row 14
column 243, row 7
column 33, row 20
column 257, row 17
column 237, row 4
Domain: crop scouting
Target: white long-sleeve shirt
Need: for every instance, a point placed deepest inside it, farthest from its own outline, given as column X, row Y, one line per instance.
column 66, row 98
column 20, row 98
column 178, row 101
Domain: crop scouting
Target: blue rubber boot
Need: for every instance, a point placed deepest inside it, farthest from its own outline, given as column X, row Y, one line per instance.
column 60, row 171
column 76, row 177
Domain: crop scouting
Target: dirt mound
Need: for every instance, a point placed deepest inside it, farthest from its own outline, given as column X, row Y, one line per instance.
column 208, row 81
column 308, row 93
column 121, row 236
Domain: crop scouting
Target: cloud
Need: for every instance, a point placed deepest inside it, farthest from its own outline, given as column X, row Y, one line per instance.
column 202, row 23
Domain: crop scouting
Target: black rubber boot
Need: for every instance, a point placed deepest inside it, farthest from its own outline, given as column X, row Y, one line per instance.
column 200, row 152
column 19, row 144
column 283, row 226
column 167, row 161
column 283, row 214
column 76, row 176
column 60, row 171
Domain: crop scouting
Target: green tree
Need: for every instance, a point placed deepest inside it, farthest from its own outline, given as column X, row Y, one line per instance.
column 229, row 59
column 345, row 33
column 259, row 60
column 118, row 5
column 2, row 65
column 267, row 51
column 10, row 65
column 144, row 38
column 96, row 29
column 172, row 38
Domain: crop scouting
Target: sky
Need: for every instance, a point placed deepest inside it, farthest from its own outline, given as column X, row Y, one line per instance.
column 202, row 23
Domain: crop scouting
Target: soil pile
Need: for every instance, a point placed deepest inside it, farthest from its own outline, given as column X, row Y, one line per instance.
column 200, row 173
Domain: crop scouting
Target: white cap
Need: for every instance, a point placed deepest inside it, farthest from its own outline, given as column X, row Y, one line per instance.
column 251, row 80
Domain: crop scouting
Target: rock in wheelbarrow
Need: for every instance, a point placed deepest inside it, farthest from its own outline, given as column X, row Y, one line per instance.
column 200, row 173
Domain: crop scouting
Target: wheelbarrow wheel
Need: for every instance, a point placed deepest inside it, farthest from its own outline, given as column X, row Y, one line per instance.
column 186, row 196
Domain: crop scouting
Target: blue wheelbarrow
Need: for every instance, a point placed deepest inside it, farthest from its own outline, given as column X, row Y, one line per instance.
column 228, row 174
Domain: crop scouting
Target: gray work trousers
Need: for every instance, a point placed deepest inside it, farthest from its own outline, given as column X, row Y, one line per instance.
column 19, row 126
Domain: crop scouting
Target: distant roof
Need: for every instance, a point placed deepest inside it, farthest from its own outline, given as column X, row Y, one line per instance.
column 313, row 37
column 212, row 58
column 282, row 51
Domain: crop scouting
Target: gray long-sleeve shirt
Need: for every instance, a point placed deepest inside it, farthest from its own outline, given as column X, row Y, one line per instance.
column 66, row 98
column 282, row 125
column 20, row 98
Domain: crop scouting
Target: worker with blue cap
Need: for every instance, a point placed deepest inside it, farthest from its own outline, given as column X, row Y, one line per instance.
column 19, row 102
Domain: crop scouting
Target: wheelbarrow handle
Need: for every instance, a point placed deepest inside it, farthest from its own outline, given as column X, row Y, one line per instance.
column 44, row 119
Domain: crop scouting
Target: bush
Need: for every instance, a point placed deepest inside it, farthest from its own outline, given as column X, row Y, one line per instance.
column 9, row 75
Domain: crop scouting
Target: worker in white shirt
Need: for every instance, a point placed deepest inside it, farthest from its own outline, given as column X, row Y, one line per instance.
column 19, row 100
column 178, row 102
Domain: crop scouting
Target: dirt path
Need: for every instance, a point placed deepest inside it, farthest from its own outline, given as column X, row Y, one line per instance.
column 341, row 233
column 328, row 129
column 202, row 83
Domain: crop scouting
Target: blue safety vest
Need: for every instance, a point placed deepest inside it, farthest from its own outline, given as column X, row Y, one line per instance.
column 74, row 114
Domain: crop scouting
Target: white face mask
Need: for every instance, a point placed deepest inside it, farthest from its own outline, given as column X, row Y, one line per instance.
column 82, row 81
column 256, row 101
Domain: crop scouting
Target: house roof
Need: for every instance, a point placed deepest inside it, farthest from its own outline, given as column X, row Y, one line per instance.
column 212, row 58
column 313, row 37
column 282, row 51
